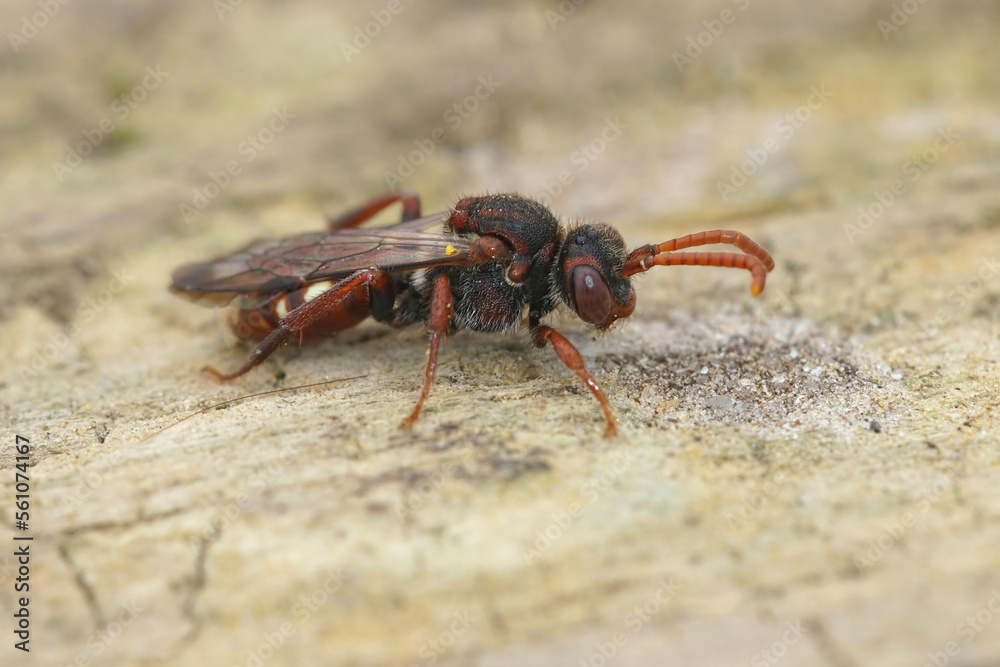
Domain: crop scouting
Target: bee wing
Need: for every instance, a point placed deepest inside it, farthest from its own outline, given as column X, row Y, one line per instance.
column 265, row 269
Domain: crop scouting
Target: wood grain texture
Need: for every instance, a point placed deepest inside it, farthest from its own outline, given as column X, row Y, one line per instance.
column 814, row 472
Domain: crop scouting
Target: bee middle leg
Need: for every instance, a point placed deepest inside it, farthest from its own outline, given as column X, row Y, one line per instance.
column 437, row 323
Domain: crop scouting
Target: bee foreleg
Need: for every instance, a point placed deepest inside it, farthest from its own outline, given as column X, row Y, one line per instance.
column 368, row 210
column 571, row 357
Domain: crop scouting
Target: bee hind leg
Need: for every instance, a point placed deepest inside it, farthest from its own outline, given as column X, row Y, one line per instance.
column 359, row 215
column 376, row 280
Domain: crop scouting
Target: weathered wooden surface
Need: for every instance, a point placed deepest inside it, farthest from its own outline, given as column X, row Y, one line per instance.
column 810, row 478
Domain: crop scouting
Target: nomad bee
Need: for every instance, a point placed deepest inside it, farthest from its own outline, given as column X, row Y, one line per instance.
column 477, row 266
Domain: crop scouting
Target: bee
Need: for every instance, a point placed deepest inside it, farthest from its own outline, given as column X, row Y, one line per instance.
column 479, row 265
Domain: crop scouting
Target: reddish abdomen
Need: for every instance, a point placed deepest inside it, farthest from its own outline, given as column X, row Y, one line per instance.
column 257, row 323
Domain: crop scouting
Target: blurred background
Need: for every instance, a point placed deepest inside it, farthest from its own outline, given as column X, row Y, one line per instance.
column 858, row 140
column 360, row 104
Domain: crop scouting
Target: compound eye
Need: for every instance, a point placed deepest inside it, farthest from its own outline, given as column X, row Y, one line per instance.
column 591, row 294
